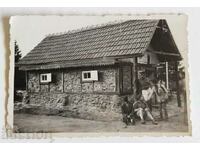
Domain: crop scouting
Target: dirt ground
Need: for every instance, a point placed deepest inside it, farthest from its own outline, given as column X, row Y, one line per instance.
column 35, row 123
column 43, row 123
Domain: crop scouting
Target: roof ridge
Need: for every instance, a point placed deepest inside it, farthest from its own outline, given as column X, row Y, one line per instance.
column 93, row 27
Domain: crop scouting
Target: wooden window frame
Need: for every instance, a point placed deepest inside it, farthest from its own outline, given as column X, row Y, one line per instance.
column 45, row 78
column 91, row 76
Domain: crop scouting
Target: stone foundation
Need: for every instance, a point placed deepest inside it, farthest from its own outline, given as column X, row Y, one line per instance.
column 88, row 106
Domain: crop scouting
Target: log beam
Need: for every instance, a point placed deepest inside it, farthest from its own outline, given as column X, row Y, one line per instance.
column 177, row 85
column 164, row 53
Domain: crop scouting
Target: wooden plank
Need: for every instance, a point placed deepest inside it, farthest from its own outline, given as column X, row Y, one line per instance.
column 117, row 80
column 164, row 53
column 177, row 85
column 136, row 76
column 126, row 56
column 132, row 79
column 120, row 80
column 62, row 81
column 64, row 64
column 167, row 75
column 97, row 93
column 26, row 74
column 38, row 74
column 136, row 68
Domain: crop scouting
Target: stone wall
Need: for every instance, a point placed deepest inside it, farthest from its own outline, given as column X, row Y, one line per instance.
column 33, row 82
column 72, row 81
column 44, row 88
column 106, row 83
column 88, row 106
column 90, row 100
column 57, row 82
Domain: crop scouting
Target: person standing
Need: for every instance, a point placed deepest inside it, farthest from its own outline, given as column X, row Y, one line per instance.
column 162, row 98
column 183, row 96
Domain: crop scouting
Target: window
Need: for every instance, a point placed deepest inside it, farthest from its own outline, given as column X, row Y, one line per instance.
column 87, row 75
column 145, row 59
column 90, row 75
column 45, row 78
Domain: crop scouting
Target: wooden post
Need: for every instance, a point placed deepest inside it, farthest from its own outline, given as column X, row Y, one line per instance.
column 177, row 85
column 120, row 79
column 136, row 68
column 39, row 81
column 136, row 77
column 167, row 75
column 116, row 80
column 62, row 81
column 26, row 74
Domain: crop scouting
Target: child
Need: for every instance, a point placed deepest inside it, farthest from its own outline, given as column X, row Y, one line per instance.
column 162, row 97
column 127, row 112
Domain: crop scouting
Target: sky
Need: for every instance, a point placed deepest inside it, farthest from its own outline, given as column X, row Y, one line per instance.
column 28, row 31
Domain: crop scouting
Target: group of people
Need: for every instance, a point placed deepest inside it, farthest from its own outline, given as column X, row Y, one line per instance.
column 141, row 107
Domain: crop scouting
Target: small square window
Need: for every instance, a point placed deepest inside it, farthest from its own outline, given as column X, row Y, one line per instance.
column 90, row 75
column 45, row 78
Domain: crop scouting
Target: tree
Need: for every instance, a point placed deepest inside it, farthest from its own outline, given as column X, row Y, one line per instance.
column 19, row 78
column 18, row 54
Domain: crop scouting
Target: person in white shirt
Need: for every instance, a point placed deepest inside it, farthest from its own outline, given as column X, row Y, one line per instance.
column 148, row 92
column 141, row 107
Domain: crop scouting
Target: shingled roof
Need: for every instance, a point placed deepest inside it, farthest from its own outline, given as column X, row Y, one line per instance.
column 119, row 39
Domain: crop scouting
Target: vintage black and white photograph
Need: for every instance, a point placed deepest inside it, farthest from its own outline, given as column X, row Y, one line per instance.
column 100, row 74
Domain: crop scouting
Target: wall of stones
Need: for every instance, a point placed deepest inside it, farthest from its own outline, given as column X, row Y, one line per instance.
column 90, row 100
column 33, row 82
column 106, row 83
column 88, row 106
column 57, row 82
column 72, row 81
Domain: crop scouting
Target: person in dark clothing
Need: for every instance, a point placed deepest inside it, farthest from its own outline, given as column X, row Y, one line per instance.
column 127, row 112
column 183, row 95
